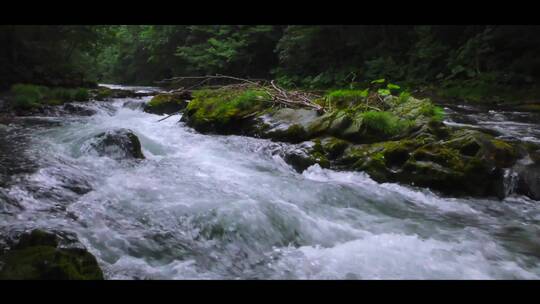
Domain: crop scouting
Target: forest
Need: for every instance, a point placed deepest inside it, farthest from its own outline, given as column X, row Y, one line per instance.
column 260, row 152
column 459, row 61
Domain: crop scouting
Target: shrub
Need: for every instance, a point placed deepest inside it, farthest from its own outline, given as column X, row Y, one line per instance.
column 342, row 98
column 81, row 94
column 26, row 96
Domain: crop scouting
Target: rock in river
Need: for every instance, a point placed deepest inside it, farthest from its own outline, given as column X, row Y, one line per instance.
column 118, row 144
column 38, row 256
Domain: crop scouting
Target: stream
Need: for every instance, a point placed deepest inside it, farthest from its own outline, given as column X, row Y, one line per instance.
column 225, row 207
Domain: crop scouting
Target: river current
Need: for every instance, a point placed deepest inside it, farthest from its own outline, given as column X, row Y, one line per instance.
column 226, row 207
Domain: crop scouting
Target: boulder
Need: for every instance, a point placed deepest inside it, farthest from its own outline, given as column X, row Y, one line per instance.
column 38, row 256
column 286, row 125
column 167, row 103
column 75, row 109
column 118, row 144
column 467, row 163
column 529, row 180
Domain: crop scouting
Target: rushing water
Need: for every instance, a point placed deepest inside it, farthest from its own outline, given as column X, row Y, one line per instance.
column 224, row 207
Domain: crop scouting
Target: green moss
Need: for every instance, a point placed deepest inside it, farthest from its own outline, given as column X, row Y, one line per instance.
column 36, row 257
column 221, row 109
column 49, row 263
column 385, row 122
column 333, row 147
column 345, row 98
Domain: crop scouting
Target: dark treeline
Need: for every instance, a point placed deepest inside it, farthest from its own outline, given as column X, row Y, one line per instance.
column 308, row 56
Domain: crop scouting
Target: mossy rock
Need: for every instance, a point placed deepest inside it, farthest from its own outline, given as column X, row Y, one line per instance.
column 225, row 111
column 37, row 257
column 333, row 147
column 167, row 103
column 285, row 125
column 464, row 163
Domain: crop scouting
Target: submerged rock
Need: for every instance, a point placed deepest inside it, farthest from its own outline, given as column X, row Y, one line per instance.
column 38, row 256
column 118, row 144
column 167, row 103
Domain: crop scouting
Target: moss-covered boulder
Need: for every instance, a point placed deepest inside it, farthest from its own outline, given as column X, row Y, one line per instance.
column 225, row 111
column 391, row 118
column 37, row 256
column 167, row 103
column 466, row 163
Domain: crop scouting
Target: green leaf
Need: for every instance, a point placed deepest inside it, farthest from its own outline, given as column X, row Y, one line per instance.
column 382, row 80
column 391, row 86
column 383, row 92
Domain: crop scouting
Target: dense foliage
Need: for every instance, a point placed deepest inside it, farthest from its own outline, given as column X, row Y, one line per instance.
column 479, row 56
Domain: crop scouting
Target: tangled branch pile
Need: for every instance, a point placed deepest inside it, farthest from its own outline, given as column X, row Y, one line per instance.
column 279, row 95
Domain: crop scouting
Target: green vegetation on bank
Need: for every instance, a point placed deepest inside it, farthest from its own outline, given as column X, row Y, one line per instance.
column 477, row 63
column 27, row 96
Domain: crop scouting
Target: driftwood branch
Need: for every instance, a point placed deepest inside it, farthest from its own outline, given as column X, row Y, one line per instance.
column 281, row 96
column 170, row 115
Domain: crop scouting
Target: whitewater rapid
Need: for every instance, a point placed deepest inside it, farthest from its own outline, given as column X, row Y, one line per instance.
column 225, row 207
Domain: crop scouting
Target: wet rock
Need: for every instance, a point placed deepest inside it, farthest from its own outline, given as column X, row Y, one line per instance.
column 303, row 155
column 38, row 256
column 106, row 94
column 118, row 144
column 287, row 125
column 529, row 180
column 467, row 163
column 74, row 109
column 133, row 104
column 535, row 156
column 167, row 103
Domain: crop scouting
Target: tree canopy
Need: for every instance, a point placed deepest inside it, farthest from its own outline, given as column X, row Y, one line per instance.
column 301, row 55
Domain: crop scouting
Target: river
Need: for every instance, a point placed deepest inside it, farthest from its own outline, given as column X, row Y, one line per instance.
column 224, row 207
